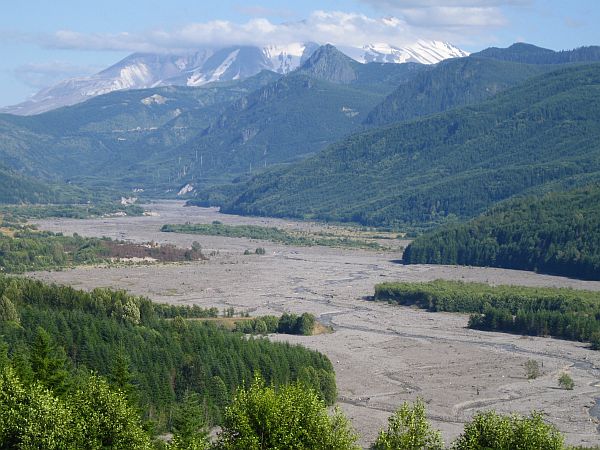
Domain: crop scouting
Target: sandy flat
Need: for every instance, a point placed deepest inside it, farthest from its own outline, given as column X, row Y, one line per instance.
column 383, row 354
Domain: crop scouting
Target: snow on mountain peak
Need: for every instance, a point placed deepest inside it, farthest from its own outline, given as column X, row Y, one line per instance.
column 139, row 71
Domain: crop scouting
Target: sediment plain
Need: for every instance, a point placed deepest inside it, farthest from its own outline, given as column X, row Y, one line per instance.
column 382, row 354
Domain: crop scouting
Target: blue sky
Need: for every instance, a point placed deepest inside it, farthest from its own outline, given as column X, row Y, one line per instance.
column 42, row 42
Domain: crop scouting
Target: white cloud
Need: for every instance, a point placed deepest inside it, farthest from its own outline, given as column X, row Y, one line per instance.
column 451, row 14
column 336, row 27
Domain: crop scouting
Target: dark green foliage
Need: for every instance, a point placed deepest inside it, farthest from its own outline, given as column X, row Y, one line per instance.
column 489, row 430
column 291, row 417
column 562, row 313
column 558, row 233
column 190, row 431
column 126, row 339
column 48, row 362
column 531, row 54
column 287, row 324
column 450, row 84
column 268, row 234
column 542, row 134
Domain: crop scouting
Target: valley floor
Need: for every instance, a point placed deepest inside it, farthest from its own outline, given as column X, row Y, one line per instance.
column 382, row 354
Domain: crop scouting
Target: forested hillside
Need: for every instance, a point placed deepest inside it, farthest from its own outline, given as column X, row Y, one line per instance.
column 558, row 233
column 55, row 335
column 450, row 84
column 542, row 134
column 163, row 138
column 531, row 54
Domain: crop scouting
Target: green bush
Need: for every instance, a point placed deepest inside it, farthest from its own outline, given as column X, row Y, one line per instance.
column 408, row 429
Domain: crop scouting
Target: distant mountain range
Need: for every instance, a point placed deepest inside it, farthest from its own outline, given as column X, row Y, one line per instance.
column 376, row 143
column 141, row 71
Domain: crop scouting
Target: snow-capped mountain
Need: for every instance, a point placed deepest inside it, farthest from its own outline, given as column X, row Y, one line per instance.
column 423, row 52
column 140, row 71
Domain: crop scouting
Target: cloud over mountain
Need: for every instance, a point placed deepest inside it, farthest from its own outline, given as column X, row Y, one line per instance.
column 408, row 22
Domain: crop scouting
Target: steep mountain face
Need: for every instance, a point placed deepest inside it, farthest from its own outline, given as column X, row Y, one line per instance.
column 542, row 134
column 289, row 119
column 140, row 71
column 328, row 63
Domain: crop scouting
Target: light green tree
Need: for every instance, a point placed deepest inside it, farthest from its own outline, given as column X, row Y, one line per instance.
column 291, row 417
column 8, row 312
column 489, row 430
column 105, row 418
column 31, row 417
column 408, row 429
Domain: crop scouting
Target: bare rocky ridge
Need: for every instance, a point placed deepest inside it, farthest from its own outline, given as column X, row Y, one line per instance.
column 382, row 354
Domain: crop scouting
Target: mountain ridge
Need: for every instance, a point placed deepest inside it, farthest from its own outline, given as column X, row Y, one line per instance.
column 147, row 70
column 541, row 134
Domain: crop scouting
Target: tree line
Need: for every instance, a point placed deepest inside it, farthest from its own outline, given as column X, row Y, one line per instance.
column 558, row 233
column 562, row 313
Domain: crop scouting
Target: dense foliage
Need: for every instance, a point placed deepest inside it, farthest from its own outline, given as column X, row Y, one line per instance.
column 18, row 188
column 91, row 416
column 466, row 81
column 54, row 332
column 562, row 313
column 558, row 233
column 542, row 134
column 273, row 234
column 292, row 417
column 489, row 430
column 288, row 324
column 531, row 54
column 450, row 84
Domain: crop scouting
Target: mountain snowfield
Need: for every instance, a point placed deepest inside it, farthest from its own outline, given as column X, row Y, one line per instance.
column 141, row 71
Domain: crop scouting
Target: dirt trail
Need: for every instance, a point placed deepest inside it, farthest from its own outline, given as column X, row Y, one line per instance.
column 382, row 354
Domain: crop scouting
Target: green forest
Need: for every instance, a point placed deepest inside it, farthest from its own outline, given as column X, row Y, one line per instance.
column 54, row 337
column 558, row 233
column 540, row 135
column 562, row 313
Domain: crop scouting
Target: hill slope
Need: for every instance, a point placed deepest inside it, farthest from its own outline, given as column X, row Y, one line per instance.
column 558, row 233
column 466, row 81
column 532, row 54
column 544, row 132
column 164, row 138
